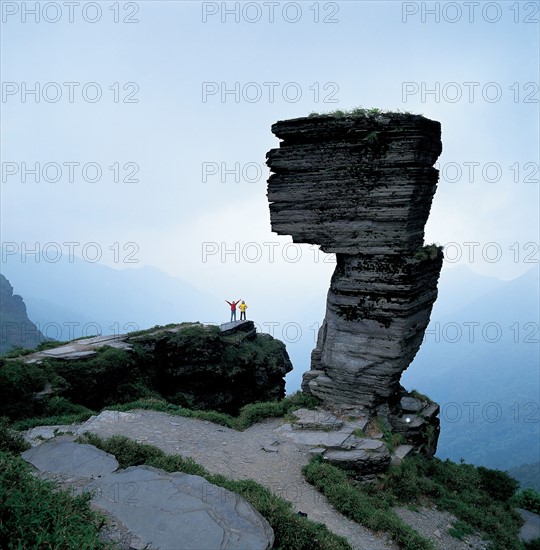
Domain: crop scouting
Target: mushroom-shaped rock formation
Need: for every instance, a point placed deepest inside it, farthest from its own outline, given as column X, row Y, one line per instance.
column 361, row 187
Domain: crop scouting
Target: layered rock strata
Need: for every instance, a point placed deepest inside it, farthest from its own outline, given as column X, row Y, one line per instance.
column 361, row 187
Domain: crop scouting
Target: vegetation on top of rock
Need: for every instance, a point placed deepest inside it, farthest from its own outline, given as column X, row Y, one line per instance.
column 359, row 112
column 428, row 252
column 248, row 415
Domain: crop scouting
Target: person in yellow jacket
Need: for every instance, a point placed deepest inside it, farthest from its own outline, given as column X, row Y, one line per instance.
column 243, row 307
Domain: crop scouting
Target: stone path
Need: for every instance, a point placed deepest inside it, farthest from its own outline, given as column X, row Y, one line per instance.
column 267, row 455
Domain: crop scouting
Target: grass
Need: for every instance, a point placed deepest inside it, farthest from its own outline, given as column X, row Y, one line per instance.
column 292, row 532
column 58, row 420
column 460, row 530
column 359, row 112
column 371, row 510
column 35, row 514
column 392, row 440
column 480, row 498
column 249, row 414
column 428, row 252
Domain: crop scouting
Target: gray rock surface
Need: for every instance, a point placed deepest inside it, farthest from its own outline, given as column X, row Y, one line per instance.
column 530, row 530
column 72, row 459
column 316, row 419
column 164, row 510
column 177, row 511
column 361, row 187
column 79, row 349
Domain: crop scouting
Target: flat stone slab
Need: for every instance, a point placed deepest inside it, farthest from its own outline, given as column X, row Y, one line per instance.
column 530, row 530
column 107, row 417
column 178, row 511
column 60, row 351
column 315, row 420
column 77, row 349
column 400, row 453
column 237, row 326
column 360, row 460
column 331, row 440
column 364, row 444
column 36, row 436
column 73, row 459
column 411, row 404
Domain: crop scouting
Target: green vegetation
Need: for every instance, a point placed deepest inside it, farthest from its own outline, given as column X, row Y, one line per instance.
column 392, row 440
column 428, row 252
column 249, row 414
column 480, row 498
column 372, row 510
column 528, row 499
column 460, row 530
column 359, row 112
column 18, row 384
column 292, row 532
column 193, row 367
column 11, row 441
column 33, row 512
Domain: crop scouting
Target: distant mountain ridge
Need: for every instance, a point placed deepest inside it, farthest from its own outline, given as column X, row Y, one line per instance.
column 480, row 361
column 69, row 299
column 16, row 329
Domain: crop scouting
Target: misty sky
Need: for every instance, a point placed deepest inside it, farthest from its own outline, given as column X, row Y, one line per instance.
column 150, row 133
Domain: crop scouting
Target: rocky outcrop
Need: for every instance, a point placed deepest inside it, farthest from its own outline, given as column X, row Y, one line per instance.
column 361, row 187
column 16, row 329
column 188, row 364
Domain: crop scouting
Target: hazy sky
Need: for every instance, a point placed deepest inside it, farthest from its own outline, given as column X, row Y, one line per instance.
column 150, row 122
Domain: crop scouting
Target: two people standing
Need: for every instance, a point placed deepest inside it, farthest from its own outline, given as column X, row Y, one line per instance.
column 243, row 306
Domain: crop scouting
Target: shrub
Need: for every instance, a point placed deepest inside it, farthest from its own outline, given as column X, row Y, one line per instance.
column 528, row 499
column 497, row 484
column 59, row 406
column 18, row 384
column 11, row 441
